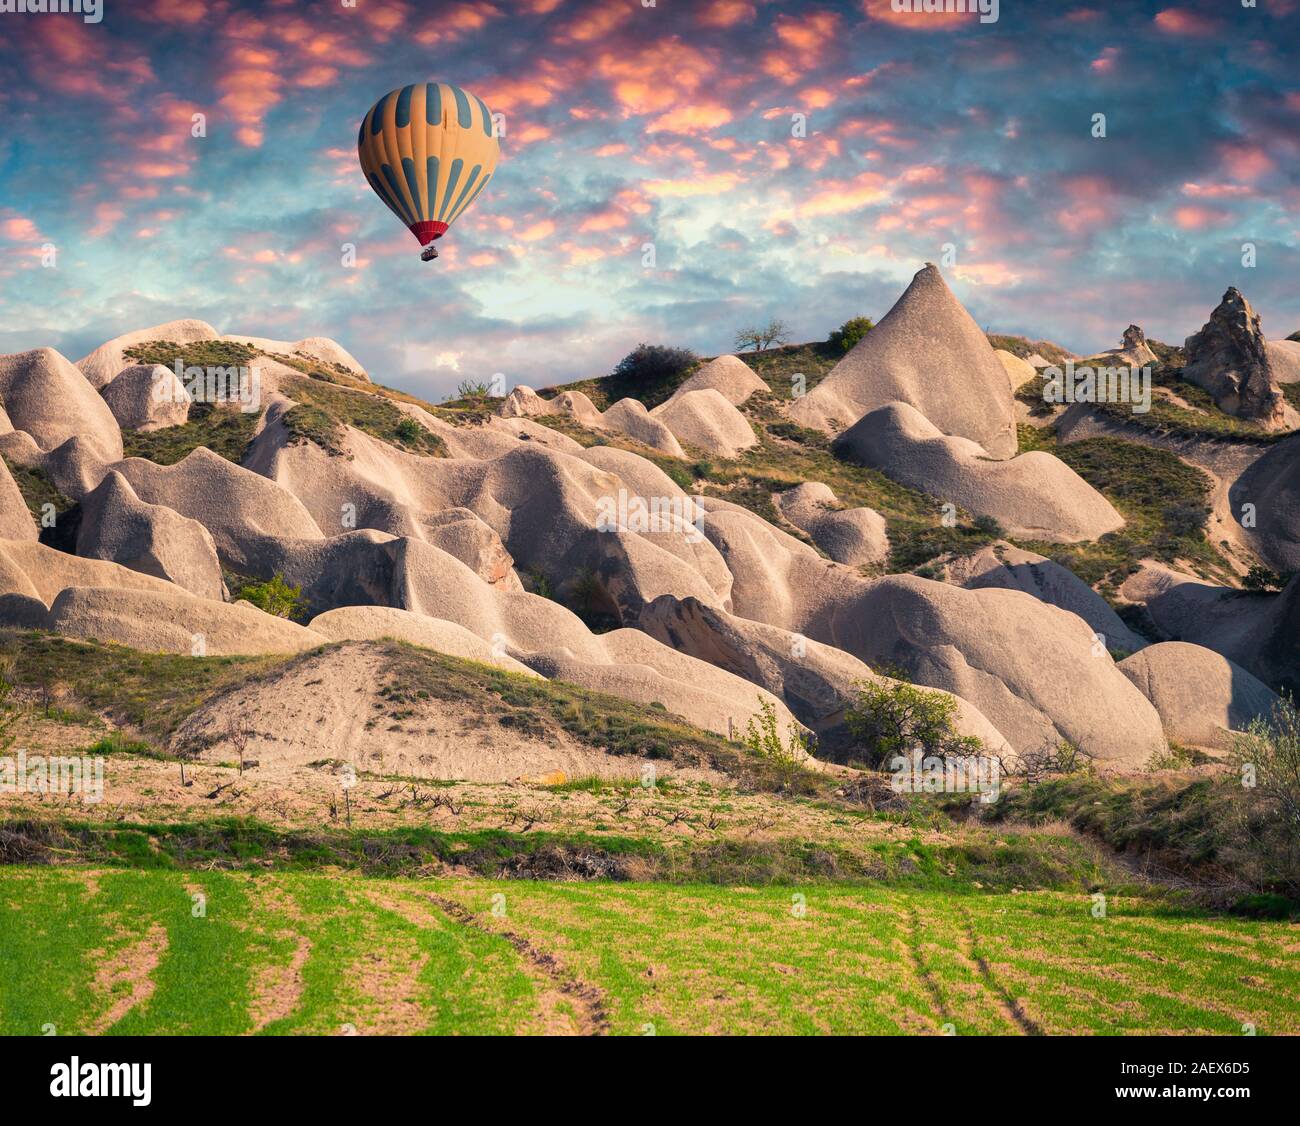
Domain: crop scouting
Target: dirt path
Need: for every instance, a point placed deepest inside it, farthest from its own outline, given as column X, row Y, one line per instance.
column 589, row 1003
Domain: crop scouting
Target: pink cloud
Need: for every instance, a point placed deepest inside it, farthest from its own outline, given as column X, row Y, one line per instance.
column 696, row 117
column 726, row 13
column 840, row 196
column 1245, row 161
column 1105, row 62
column 1192, row 217
column 1183, row 21
column 18, row 228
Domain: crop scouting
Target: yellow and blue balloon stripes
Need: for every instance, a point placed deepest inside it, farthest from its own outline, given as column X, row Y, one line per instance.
column 428, row 150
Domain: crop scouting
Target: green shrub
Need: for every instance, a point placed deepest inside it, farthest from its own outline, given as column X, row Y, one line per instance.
column 888, row 719
column 653, row 363
column 275, row 596
column 850, row 332
column 763, row 738
column 1263, row 581
column 408, row 430
column 1266, row 760
column 989, row 526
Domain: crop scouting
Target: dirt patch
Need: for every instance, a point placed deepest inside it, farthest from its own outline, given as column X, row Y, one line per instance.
column 127, row 973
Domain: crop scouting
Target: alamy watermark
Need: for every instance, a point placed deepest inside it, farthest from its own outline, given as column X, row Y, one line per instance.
column 75, row 775
column 650, row 515
column 90, row 11
column 216, row 384
column 987, row 10
column 1086, row 384
column 919, row 773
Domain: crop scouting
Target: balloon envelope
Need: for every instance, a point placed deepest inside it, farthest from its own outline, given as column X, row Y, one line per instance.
column 427, row 151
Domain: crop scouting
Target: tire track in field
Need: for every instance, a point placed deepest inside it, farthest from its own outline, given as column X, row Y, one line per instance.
column 589, row 1002
column 1011, row 1007
column 921, row 970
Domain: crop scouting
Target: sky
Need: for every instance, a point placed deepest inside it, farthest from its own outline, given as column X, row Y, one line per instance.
column 630, row 123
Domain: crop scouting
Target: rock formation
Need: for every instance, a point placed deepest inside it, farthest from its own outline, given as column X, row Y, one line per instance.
column 856, row 536
column 927, row 352
column 1230, row 359
column 1035, row 495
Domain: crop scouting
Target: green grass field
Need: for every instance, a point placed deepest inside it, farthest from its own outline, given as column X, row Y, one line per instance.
column 122, row 951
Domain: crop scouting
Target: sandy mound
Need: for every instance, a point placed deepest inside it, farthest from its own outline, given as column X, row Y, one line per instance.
column 1019, row 372
column 856, row 536
column 927, row 352
column 1201, row 696
column 707, row 697
column 75, row 467
column 48, row 398
column 106, row 361
column 247, row 514
column 1036, row 495
column 149, row 538
column 1002, row 565
column 707, row 421
column 1272, row 485
column 729, row 376
column 629, row 416
column 313, row 347
column 1035, row 361
column 348, row 705
column 373, row 623
column 174, row 621
column 526, row 430
column 366, row 567
column 816, row 681
column 147, row 397
column 16, row 521
column 524, row 402
column 579, row 407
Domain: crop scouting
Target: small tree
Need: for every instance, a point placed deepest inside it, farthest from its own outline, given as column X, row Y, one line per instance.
column 850, row 332
column 759, row 339
column 893, row 717
column 763, row 738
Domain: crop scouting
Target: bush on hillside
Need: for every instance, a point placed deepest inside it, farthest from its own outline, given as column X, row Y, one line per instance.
column 1266, row 761
column 653, row 363
column 850, row 332
column 275, row 596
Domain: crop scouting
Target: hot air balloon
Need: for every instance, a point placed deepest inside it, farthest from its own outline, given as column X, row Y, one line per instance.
column 427, row 151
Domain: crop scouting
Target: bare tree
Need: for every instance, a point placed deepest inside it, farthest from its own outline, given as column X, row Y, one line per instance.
column 759, row 338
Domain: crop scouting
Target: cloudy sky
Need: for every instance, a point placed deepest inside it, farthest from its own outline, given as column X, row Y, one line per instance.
column 627, row 124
